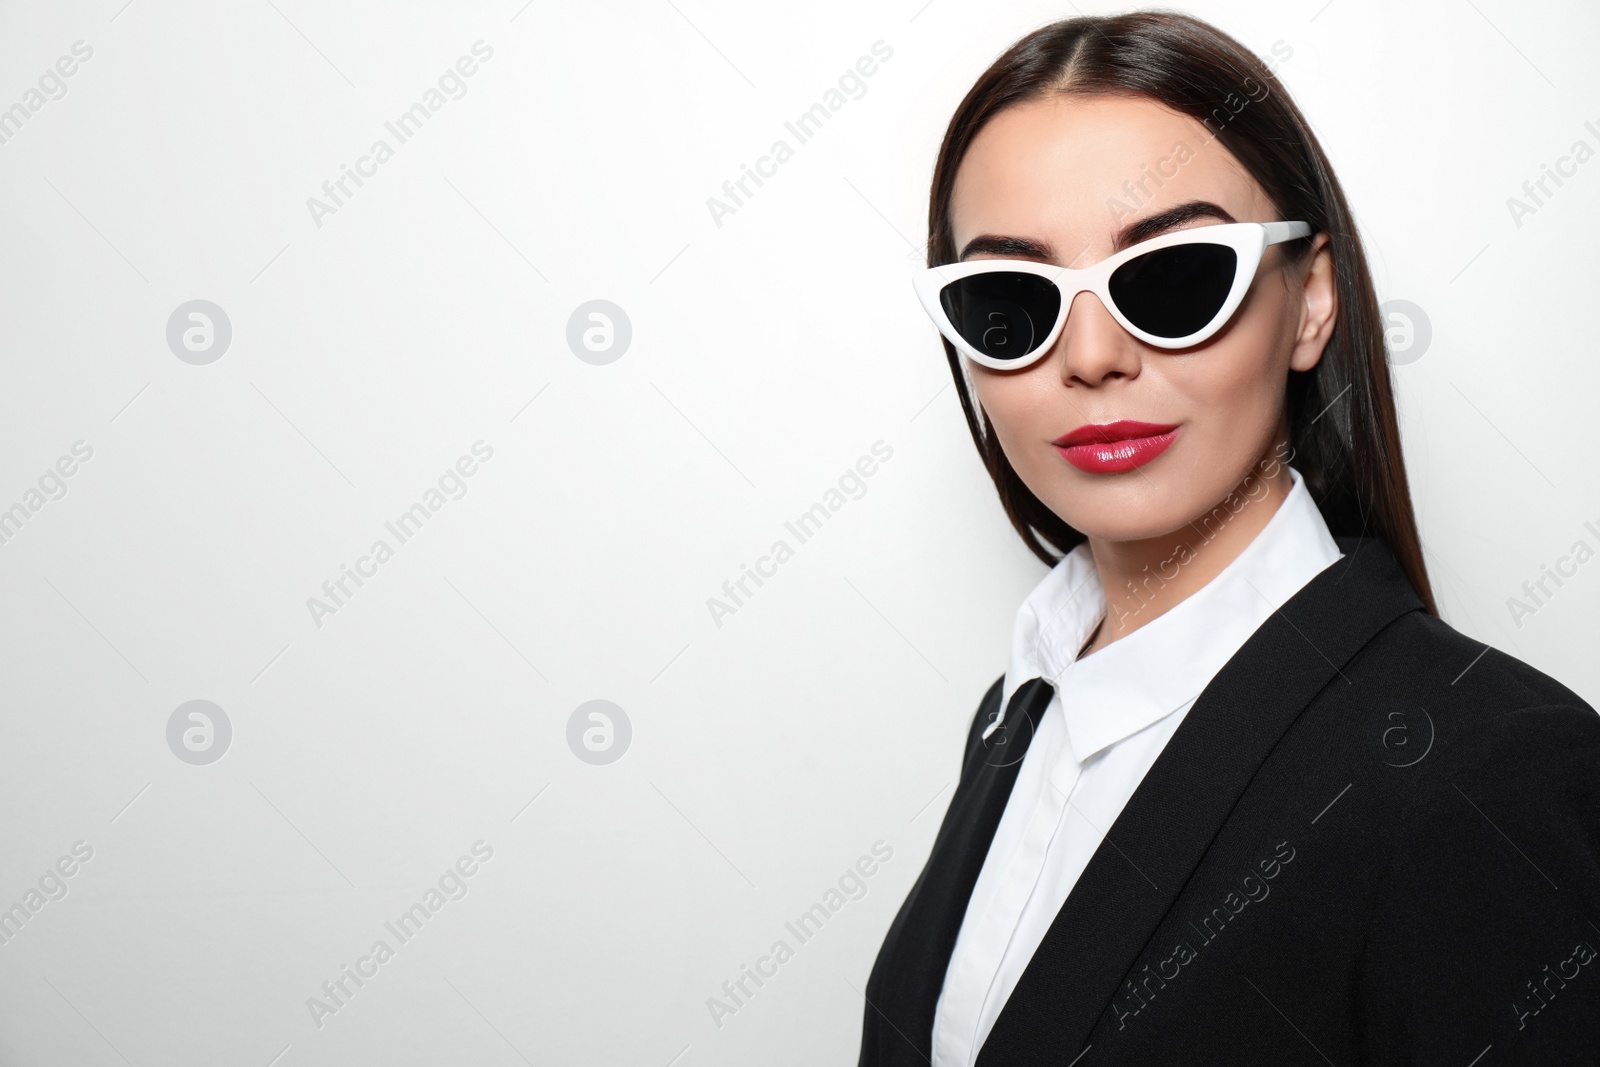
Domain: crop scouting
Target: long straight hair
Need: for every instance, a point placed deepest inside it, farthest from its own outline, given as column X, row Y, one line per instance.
column 1343, row 434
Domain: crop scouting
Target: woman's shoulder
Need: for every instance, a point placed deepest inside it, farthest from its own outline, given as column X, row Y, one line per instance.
column 1485, row 702
column 1484, row 844
column 1495, row 782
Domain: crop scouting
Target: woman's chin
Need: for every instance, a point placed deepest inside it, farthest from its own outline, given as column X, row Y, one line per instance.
column 1129, row 511
column 1109, row 525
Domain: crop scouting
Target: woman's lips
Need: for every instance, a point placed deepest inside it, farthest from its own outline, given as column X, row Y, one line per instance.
column 1115, row 446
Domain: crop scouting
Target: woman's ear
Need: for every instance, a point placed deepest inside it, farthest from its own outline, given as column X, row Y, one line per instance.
column 1319, row 307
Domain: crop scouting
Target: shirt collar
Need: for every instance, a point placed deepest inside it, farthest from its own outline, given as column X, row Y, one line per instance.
column 1158, row 668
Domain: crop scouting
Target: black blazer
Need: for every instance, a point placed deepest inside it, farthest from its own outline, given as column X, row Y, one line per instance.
column 1371, row 840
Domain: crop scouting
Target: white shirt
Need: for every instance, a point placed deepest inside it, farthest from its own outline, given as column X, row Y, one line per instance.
column 1111, row 714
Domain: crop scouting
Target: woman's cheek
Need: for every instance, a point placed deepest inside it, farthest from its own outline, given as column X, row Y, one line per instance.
column 1009, row 409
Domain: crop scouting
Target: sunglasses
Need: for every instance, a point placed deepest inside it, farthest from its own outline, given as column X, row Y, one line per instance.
column 1171, row 291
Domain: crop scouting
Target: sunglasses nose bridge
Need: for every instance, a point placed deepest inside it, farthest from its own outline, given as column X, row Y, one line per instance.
column 1083, row 300
column 1073, row 284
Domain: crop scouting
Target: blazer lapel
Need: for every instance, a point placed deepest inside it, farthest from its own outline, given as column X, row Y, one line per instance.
column 903, row 990
column 1158, row 840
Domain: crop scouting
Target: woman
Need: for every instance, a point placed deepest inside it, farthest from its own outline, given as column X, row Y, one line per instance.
column 1241, row 796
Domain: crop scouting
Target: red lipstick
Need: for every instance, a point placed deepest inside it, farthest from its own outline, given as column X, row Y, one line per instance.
column 1108, row 447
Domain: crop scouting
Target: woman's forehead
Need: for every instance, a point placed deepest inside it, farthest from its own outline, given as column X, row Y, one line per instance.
column 1073, row 170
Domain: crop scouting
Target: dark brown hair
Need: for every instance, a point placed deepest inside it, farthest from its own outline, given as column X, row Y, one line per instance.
column 1343, row 435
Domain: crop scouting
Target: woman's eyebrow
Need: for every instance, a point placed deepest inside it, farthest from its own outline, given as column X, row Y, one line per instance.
column 1151, row 225
column 1009, row 247
column 1140, row 230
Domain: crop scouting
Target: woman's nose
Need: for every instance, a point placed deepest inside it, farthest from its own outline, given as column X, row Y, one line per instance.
column 1093, row 346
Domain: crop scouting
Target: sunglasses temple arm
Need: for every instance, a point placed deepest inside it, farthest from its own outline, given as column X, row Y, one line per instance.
column 1285, row 231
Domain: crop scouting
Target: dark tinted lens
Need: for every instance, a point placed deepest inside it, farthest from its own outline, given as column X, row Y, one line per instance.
column 1004, row 314
column 1172, row 292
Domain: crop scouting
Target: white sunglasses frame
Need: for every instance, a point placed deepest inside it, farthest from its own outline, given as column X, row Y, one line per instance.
column 1248, row 240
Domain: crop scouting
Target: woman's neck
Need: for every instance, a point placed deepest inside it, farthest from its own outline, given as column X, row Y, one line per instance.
column 1145, row 579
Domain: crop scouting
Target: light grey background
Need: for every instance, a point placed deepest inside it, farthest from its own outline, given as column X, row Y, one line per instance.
column 768, row 353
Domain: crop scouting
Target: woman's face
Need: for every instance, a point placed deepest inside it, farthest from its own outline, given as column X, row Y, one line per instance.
column 1069, row 174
